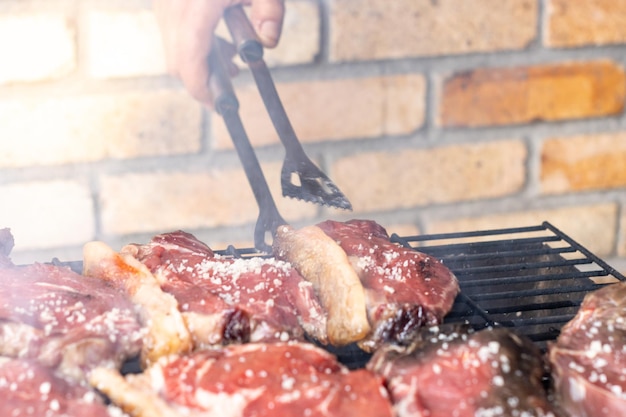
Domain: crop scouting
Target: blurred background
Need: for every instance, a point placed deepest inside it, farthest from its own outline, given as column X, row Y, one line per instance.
column 431, row 116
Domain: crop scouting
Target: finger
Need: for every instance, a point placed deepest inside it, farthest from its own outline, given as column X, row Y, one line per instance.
column 197, row 25
column 267, row 19
column 229, row 51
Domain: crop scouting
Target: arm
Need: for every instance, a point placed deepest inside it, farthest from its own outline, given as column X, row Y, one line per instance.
column 187, row 28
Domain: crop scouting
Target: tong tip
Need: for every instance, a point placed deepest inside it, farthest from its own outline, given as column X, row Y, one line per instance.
column 331, row 198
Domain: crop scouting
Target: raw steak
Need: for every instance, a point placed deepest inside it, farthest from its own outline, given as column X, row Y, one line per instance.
column 275, row 379
column 164, row 328
column 226, row 300
column 589, row 357
column 64, row 320
column 453, row 373
column 29, row 389
column 405, row 289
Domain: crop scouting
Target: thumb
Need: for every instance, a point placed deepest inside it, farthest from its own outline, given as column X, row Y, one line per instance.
column 267, row 19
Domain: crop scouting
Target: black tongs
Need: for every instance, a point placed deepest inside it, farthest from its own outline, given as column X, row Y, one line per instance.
column 300, row 177
column 227, row 105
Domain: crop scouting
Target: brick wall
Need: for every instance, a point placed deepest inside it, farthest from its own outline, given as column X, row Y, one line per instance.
column 432, row 116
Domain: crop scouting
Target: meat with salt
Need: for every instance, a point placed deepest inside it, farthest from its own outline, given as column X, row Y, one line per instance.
column 64, row 320
column 228, row 300
column 30, row 389
column 588, row 358
column 405, row 289
column 453, row 372
column 325, row 265
column 260, row 380
column 165, row 330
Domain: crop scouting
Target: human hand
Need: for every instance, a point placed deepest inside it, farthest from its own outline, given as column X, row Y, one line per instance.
column 187, row 28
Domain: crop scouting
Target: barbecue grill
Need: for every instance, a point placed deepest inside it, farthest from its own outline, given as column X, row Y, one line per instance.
column 530, row 279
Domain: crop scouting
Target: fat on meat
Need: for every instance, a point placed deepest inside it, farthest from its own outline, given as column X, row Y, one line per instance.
column 64, row 320
column 449, row 371
column 405, row 289
column 588, row 359
column 325, row 265
column 29, row 389
column 255, row 379
column 227, row 300
column 165, row 330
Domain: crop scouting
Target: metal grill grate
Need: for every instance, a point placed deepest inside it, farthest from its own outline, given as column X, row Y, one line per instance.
column 531, row 279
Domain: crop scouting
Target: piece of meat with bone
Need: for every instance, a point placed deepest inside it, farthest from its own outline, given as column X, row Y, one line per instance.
column 64, row 320
column 449, row 371
column 399, row 289
column 588, row 359
column 228, row 300
column 30, row 389
column 323, row 263
column 255, row 379
column 165, row 331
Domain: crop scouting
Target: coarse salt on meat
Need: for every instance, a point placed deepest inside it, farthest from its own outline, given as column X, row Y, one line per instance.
column 28, row 388
column 588, row 359
column 405, row 289
column 64, row 320
column 248, row 380
column 475, row 375
column 232, row 300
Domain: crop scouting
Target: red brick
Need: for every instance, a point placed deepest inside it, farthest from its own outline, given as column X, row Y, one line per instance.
column 502, row 96
column 377, row 181
column 383, row 29
column 585, row 22
column 590, row 162
column 335, row 109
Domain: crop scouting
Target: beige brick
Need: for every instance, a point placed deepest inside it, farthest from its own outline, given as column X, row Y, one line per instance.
column 47, row 214
column 401, row 179
column 161, row 201
column 589, row 162
column 53, row 131
column 300, row 39
column 621, row 250
column 525, row 94
column 335, row 109
column 382, row 29
column 593, row 226
column 123, row 44
column 585, row 22
column 36, row 47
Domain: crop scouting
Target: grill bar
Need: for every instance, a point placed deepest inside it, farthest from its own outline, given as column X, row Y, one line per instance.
column 532, row 279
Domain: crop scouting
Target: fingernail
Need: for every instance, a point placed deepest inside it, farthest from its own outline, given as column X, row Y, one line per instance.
column 269, row 32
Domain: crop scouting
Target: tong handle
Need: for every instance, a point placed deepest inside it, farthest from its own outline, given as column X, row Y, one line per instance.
column 300, row 177
column 248, row 45
column 224, row 98
column 227, row 106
